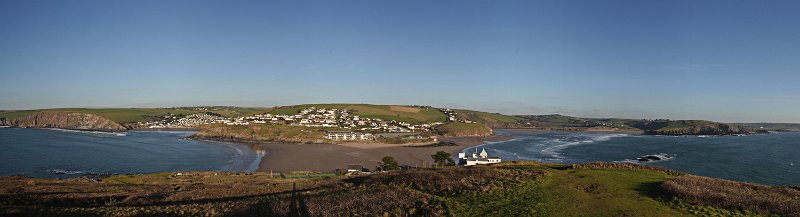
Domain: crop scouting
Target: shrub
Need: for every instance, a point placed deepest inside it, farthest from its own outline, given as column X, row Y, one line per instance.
column 734, row 195
column 451, row 180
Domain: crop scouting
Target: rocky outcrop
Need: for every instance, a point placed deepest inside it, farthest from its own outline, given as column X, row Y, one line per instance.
column 260, row 133
column 65, row 120
column 703, row 129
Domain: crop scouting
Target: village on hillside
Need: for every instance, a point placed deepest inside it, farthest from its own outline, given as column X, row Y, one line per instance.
column 351, row 126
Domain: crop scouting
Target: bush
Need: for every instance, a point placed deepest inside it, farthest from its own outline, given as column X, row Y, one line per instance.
column 734, row 195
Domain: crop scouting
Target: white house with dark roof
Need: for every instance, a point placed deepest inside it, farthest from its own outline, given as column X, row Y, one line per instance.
column 477, row 158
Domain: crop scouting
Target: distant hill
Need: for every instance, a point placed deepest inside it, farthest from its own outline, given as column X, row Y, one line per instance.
column 427, row 114
column 568, row 123
column 655, row 127
column 493, row 120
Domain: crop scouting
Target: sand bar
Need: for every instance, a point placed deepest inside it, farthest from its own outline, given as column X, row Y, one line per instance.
column 282, row 157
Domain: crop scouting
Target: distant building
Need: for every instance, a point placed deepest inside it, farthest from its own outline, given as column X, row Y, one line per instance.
column 354, row 168
column 348, row 136
column 477, row 158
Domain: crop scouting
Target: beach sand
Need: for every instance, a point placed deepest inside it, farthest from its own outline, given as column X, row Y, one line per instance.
column 329, row 157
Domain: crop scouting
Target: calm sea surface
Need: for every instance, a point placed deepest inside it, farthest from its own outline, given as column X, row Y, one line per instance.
column 58, row 153
column 772, row 159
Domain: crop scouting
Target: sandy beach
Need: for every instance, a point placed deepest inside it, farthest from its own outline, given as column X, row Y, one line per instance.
column 329, row 157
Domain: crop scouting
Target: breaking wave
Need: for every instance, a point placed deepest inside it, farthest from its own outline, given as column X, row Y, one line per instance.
column 560, row 144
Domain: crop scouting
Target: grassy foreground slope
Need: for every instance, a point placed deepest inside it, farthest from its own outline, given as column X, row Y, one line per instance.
column 385, row 112
column 507, row 189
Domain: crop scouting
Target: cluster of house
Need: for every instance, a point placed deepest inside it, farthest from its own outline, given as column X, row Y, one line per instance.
column 452, row 116
column 348, row 136
column 477, row 158
column 174, row 121
column 355, row 127
column 342, row 118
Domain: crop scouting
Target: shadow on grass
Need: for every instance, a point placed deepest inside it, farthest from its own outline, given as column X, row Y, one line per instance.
column 297, row 206
column 652, row 190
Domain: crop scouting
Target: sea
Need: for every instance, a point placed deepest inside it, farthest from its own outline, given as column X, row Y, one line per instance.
column 770, row 159
column 52, row 153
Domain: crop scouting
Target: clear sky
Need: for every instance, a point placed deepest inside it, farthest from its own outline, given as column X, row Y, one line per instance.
column 718, row 60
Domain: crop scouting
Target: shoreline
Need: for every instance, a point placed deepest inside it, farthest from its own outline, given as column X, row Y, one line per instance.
column 165, row 129
column 534, row 130
column 285, row 157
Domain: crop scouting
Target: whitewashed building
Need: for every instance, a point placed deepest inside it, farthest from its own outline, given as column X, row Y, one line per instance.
column 348, row 136
column 477, row 158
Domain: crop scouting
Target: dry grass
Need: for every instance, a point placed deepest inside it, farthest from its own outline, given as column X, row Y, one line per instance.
column 732, row 195
column 452, row 180
column 510, row 189
column 604, row 165
column 346, row 201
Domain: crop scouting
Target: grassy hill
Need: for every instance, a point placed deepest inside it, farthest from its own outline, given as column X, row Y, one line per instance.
column 463, row 129
column 507, row 189
column 494, row 120
column 386, row 112
column 414, row 114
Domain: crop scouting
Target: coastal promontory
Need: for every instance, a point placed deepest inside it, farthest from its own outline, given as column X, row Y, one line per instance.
column 65, row 120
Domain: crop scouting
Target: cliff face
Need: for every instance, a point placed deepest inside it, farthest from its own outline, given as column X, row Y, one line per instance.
column 261, row 133
column 65, row 120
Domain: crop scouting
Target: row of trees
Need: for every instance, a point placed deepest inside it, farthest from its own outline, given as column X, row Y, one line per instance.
column 440, row 159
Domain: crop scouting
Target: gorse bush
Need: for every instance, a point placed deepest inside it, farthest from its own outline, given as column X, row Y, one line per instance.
column 452, row 180
column 344, row 201
column 734, row 195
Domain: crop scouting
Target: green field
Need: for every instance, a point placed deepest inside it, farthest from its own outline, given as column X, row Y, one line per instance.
column 575, row 192
column 486, row 117
column 463, row 129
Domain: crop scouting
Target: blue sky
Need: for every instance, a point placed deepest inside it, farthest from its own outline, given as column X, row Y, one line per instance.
column 718, row 60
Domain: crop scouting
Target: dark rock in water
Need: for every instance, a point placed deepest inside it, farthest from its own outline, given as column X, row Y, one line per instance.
column 649, row 158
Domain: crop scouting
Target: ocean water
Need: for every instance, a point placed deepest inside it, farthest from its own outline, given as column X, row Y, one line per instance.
column 61, row 153
column 771, row 159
